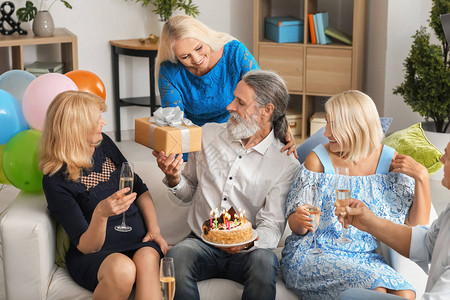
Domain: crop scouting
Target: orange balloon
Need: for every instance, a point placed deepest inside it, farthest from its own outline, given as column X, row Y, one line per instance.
column 88, row 82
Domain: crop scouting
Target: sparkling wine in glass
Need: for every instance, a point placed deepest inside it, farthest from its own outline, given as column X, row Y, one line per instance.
column 167, row 278
column 342, row 198
column 315, row 216
column 126, row 180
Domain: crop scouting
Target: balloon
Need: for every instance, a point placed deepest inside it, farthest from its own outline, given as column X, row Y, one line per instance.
column 40, row 93
column 12, row 120
column 88, row 82
column 3, row 178
column 20, row 161
column 16, row 82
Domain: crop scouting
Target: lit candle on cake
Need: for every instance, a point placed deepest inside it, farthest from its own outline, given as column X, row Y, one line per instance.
column 235, row 219
column 228, row 222
column 224, row 216
column 240, row 215
column 216, row 214
column 210, row 218
column 244, row 216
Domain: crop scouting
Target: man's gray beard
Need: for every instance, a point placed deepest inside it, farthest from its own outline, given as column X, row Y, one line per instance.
column 244, row 128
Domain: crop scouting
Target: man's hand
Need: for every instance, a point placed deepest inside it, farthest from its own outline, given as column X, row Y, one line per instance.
column 396, row 236
column 237, row 249
column 358, row 215
column 170, row 165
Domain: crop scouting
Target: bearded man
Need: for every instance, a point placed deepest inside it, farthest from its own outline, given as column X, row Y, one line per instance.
column 240, row 165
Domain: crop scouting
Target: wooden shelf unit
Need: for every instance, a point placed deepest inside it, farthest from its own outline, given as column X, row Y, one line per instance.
column 62, row 36
column 311, row 70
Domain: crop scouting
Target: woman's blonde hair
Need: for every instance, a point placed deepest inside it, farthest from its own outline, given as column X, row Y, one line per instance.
column 354, row 122
column 70, row 121
column 181, row 27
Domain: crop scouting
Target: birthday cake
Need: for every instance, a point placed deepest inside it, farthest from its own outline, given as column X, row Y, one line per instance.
column 228, row 228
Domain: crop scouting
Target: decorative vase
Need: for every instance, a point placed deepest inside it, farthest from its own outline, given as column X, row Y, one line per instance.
column 43, row 24
column 159, row 27
column 439, row 140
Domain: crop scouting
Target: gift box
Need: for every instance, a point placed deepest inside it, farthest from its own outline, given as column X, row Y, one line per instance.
column 170, row 139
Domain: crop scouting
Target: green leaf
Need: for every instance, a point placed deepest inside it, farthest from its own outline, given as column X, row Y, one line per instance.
column 426, row 85
column 27, row 13
column 165, row 8
column 66, row 4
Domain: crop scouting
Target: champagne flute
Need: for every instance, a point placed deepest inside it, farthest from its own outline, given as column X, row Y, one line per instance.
column 126, row 180
column 167, row 278
column 315, row 215
column 342, row 198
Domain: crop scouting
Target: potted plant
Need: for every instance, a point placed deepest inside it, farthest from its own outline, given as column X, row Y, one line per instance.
column 43, row 21
column 426, row 85
column 165, row 8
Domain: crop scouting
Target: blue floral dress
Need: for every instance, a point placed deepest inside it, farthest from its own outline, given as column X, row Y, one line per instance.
column 344, row 266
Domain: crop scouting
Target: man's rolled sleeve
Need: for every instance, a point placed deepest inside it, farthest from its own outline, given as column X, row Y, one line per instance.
column 419, row 251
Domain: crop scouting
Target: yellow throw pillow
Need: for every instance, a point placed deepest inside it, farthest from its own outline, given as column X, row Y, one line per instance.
column 413, row 142
column 62, row 246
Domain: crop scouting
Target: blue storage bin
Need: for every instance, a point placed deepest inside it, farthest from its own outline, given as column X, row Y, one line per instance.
column 284, row 29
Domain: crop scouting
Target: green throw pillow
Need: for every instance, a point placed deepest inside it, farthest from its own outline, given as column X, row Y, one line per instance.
column 413, row 142
column 62, row 246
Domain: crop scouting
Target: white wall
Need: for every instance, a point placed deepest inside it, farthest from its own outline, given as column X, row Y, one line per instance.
column 96, row 22
column 390, row 27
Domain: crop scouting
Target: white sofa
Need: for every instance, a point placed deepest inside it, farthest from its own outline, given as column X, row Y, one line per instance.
column 28, row 246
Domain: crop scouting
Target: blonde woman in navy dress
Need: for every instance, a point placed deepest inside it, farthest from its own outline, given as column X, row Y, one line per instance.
column 393, row 186
column 81, row 167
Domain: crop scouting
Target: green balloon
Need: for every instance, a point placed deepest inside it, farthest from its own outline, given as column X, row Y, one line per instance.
column 20, row 161
column 3, row 178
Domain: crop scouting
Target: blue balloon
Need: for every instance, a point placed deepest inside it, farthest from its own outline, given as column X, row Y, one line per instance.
column 16, row 82
column 12, row 120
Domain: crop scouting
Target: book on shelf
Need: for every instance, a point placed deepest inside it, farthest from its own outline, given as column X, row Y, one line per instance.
column 339, row 35
column 312, row 31
column 316, row 29
column 42, row 67
column 322, row 24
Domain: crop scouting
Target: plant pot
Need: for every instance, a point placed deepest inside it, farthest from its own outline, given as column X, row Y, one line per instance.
column 439, row 140
column 43, row 24
column 159, row 27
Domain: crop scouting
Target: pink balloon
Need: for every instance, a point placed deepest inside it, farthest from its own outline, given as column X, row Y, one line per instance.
column 40, row 93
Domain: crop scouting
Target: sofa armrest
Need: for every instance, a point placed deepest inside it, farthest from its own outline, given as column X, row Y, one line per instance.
column 28, row 246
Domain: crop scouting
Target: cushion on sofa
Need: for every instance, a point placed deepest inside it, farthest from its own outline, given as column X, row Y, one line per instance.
column 62, row 246
column 318, row 138
column 413, row 142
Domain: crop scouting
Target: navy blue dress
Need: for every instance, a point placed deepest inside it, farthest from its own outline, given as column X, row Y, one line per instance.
column 72, row 204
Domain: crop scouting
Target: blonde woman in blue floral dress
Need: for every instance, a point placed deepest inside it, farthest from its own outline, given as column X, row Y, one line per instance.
column 387, row 182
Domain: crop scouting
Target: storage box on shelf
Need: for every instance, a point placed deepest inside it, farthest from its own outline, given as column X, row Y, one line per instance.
column 312, row 70
column 317, row 121
column 284, row 29
column 294, row 121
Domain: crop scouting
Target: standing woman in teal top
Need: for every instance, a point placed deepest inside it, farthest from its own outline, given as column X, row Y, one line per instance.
column 198, row 69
